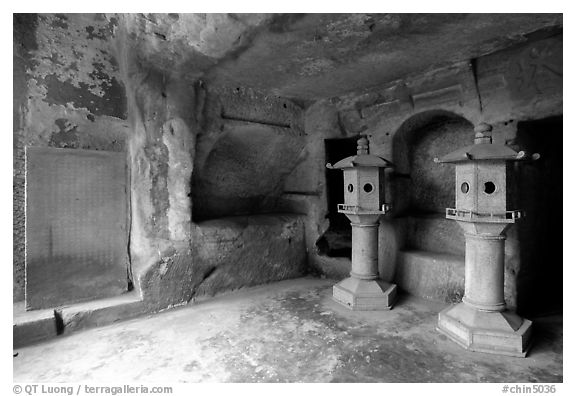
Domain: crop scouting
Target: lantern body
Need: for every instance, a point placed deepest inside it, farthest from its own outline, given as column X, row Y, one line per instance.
column 364, row 187
column 481, row 187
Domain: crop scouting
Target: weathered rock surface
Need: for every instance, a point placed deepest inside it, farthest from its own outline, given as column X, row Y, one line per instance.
column 249, row 250
column 226, row 254
column 67, row 94
column 290, row 331
column 314, row 56
column 249, row 145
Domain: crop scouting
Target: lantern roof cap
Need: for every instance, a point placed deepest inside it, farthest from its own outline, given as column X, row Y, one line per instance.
column 484, row 150
column 361, row 159
column 365, row 160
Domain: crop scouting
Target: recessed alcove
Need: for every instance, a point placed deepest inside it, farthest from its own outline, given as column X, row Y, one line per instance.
column 430, row 261
column 422, row 189
column 244, row 171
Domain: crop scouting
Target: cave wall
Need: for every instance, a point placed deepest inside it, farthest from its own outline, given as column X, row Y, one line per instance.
column 67, row 94
column 201, row 154
column 504, row 88
column 122, row 82
column 132, row 83
column 202, row 172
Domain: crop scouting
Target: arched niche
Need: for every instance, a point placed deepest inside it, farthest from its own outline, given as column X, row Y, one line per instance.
column 422, row 187
column 430, row 255
column 244, row 171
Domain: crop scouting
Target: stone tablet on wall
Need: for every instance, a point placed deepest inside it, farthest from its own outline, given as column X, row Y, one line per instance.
column 76, row 226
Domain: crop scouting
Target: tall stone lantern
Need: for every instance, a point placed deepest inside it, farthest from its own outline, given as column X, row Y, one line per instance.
column 482, row 322
column 363, row 205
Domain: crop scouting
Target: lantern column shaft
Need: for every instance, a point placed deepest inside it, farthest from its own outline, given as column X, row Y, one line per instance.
column 484, row 280
column 364, row 251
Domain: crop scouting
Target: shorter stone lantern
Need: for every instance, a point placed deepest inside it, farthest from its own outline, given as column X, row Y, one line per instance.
column 482, row 322
column 363, row 205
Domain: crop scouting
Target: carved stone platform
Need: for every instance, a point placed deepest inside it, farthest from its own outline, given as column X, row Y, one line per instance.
column 365, row 295
column 496, row 332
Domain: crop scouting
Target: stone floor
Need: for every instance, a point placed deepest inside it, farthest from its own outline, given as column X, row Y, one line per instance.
column 289, row 331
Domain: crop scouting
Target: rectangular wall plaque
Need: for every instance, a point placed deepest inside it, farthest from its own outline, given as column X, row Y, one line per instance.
column 76, row 226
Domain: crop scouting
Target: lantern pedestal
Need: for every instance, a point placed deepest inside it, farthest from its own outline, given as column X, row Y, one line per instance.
column 363, row 290
column 481, row 322
column 363, row 295
column 501, row 333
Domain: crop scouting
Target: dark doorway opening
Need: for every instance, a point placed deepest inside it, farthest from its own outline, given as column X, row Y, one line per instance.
column 337, row 240
column 539, row 183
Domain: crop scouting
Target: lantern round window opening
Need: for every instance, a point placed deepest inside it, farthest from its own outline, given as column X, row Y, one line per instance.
column 489, row 187
column 350, row 188
column 465, row 187
column 368, row 188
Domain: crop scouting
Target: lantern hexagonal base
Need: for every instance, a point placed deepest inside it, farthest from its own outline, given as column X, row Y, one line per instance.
column 500, row 333
column 364, row 295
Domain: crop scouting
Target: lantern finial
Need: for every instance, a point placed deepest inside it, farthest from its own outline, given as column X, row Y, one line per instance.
column 362, row 148
column 483, row 133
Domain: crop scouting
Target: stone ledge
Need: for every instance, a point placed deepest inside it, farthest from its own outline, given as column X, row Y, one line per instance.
column 30, row 327
column 434, row 233
column 40, row 325
column 241, row 251
column 434, row 276
column 99, row 312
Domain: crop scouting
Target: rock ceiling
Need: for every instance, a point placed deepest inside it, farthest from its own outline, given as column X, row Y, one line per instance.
column 311, row 56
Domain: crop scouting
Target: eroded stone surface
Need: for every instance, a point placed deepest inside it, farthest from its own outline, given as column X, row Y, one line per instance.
column 324, row 55
column 287, row 332
column 68, row 94
column 250, row 144
column 226, row 254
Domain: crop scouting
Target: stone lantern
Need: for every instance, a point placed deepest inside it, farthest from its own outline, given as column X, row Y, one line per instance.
column 363, row 205
column 482, row 322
